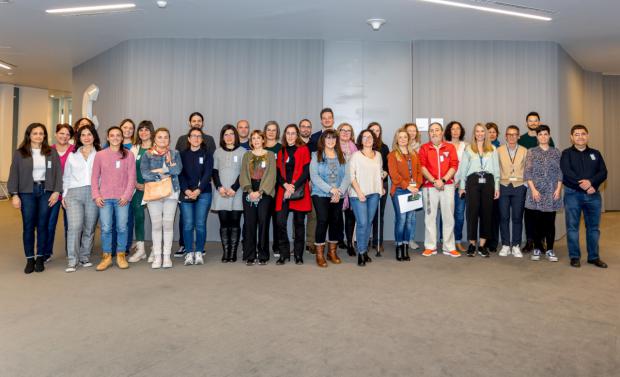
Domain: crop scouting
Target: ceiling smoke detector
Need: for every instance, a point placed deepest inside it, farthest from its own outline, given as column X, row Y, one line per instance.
column 375, row 23
column 162, row 3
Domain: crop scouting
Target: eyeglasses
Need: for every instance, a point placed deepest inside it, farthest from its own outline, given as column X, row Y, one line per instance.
column 345, row 130
column 291, row 134
column 512, row 135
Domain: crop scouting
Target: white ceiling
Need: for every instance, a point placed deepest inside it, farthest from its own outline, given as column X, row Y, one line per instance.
column 46, row 47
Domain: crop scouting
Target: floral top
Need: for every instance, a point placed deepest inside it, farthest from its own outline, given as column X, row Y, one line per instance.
column 543, row 168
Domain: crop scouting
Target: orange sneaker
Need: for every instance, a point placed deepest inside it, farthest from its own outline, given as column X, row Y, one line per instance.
column 428, row 252
column 453, row 253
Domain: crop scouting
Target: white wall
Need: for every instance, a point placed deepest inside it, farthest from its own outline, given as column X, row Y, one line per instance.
column 6, row 130
column 34, row 107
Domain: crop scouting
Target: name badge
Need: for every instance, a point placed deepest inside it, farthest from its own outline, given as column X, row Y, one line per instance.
column 288, row 159
column 49, row 164
column 200, row 160
column 512, row 179
column 235, row 158
column 263, row 164
column 138, row 158
column 482, row 180
column 441, row 158
column 118, row 164
column 592, row 156
column 276, row 155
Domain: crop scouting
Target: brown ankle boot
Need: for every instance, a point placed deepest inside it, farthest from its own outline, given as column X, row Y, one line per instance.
column 320, row 259
column 121, row 261
column 106, row 261
column 331, row 253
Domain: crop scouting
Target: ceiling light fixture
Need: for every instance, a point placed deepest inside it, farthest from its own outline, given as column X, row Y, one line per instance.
column 93, row 8
column 6, row 65
column 375, row 23
column 488, row 9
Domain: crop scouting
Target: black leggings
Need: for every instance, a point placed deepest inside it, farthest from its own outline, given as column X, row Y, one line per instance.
column 378, row 220
column 479, row 205
column 349, row 224
column 544, row 229
column 230, row 219
column 327, row 218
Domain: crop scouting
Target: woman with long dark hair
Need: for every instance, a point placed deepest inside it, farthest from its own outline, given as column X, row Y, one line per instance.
column 292, row 178
column 330, row 181
column 82, row 212
column 346, row 140
column 455, row 135
column 271, row 132
column 35, row 183
column 379, row 219
column 227, row 201
column 112, row 186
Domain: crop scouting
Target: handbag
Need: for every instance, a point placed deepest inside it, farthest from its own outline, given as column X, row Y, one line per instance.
column 298, row 194
column 157, row 190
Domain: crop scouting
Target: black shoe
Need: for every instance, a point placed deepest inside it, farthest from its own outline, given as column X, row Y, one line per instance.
column 574, row 262
column 262, row 262
column 299, row 260
column 399, row 252
column 350, row 250
column 250, row 262
column 529, row 246
column 492, row 249
column 597, row 262
column 361, row 261
column 342, row 245
column 483, row 251
column 282, row 260
column 367, row 258
column 39, row 264
column 180, row 253
column 405, row 248
column 471, row 250
column 29, row 266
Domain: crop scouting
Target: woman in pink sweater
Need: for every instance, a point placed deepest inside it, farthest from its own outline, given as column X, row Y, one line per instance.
column 112, row 185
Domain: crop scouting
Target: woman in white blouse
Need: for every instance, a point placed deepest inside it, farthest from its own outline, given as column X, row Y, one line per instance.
column 365, row 168
column 82, row 212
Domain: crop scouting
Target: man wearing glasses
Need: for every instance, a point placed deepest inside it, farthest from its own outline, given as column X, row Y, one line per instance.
column 512, row 190
column 305, row 130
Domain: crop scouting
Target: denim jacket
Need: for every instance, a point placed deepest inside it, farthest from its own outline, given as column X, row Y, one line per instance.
column 319, row 175
column 151, row 162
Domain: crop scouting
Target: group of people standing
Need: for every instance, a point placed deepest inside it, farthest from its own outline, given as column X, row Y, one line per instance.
column 335, row 185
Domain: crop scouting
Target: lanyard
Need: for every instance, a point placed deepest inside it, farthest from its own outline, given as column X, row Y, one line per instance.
column 482, row 166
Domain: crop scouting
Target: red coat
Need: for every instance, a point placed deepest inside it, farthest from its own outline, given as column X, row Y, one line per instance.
column 302, row 158
column 438, row 162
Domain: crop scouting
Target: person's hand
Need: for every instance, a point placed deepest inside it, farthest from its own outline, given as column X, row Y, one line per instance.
column 123, row 202
column 16, row 202
column 158, row 171
column 362, row 198
column 584, row 184
column 289, row 188
column 168, row 158
column 461, row 192
column 230, row 192
column 590, row 191
column 254, row 195
column 63, row 203
column 53, row 199
column 188, row 193
column 536, row 195
column 384, row 174
column 557, row 193
column 335, row 195
column 196, row 193
column 383, row 192
column 439, row 185
column 100, row 202
column 222, row 191
column 413, row 189
column 139, row 186
column 496, row 196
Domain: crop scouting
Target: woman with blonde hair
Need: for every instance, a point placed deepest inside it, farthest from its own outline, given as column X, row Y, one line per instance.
column 414, row 136
column 346, row 136
column 479, row 180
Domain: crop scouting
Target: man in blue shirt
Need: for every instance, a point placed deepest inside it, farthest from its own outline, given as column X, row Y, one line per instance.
column 584, row 171
column 327, row 123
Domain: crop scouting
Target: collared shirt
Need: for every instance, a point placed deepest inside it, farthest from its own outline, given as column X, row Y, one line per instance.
column 78, row 170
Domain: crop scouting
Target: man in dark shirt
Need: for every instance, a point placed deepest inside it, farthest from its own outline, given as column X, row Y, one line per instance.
column 584, row 171
column 196, row 120
column 327, row 123
column 243, row 129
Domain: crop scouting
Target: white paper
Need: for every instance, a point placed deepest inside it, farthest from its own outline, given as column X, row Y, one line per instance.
column 437, row 120
column 407, row 203
column 422, row 124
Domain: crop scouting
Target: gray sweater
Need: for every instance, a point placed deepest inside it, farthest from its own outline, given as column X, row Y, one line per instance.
column 20, row 175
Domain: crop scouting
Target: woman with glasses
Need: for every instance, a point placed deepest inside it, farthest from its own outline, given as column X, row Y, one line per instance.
column 271, row 131
column 347, row 146
column 379, row 218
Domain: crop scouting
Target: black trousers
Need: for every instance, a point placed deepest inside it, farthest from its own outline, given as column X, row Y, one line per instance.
column 529, row 218
column 230, row 219
column 348, row 224
column 493, row 240
column 378, row 220
column 256, row 219
column 327, row 218
column 299, row 230
column 544, row 229
column 479, row 205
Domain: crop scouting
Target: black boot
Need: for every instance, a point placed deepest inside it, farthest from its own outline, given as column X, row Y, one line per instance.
column 341, row 245
column 399, row 252
column 39, row 264
column 361, row 261
column 29, row 266
column 224, row 237
column 350, row 249
column 235, row 234
column 405, row 247
column 283, row 258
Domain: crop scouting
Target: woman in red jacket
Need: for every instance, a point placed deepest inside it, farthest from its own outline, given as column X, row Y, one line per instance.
column 293, row 193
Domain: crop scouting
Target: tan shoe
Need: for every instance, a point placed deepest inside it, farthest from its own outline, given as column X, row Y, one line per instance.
column 106, row 261
column 139, row 254
column 331, row 253
column 320, row 259
column 121, row 261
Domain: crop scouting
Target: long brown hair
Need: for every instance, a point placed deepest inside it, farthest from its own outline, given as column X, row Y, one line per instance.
column 298, row 140
column 320, row 147
column 25, row 148
column 93, row 131
column 122, row 149
column 378, row 139
column 395, row 146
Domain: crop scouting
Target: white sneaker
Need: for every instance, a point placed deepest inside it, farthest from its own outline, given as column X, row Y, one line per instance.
column 139, row 254
column 156, row 261
column 516, row 252
column 71, row 269
column 86, row 264
column 167, row 262
column 535, row 255
column 413, row 245
column 551, row 257
column 198, row 258
column 189, row 259
column 505, row 251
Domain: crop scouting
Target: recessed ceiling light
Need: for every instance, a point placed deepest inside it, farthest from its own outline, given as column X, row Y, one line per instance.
column 93, row 8
column 489, row 9
column 375, row 23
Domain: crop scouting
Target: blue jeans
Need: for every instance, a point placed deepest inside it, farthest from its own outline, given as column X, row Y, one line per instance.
column 35, row 210
column 405, row 222
column 195, row 218
column 129, row 237
column 113, row 216
column 51, row 227
column 364, row 213
column 574, row 203
column 459, row 217
column 511, row 202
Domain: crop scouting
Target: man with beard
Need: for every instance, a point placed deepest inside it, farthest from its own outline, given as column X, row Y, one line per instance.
column 305, row 130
